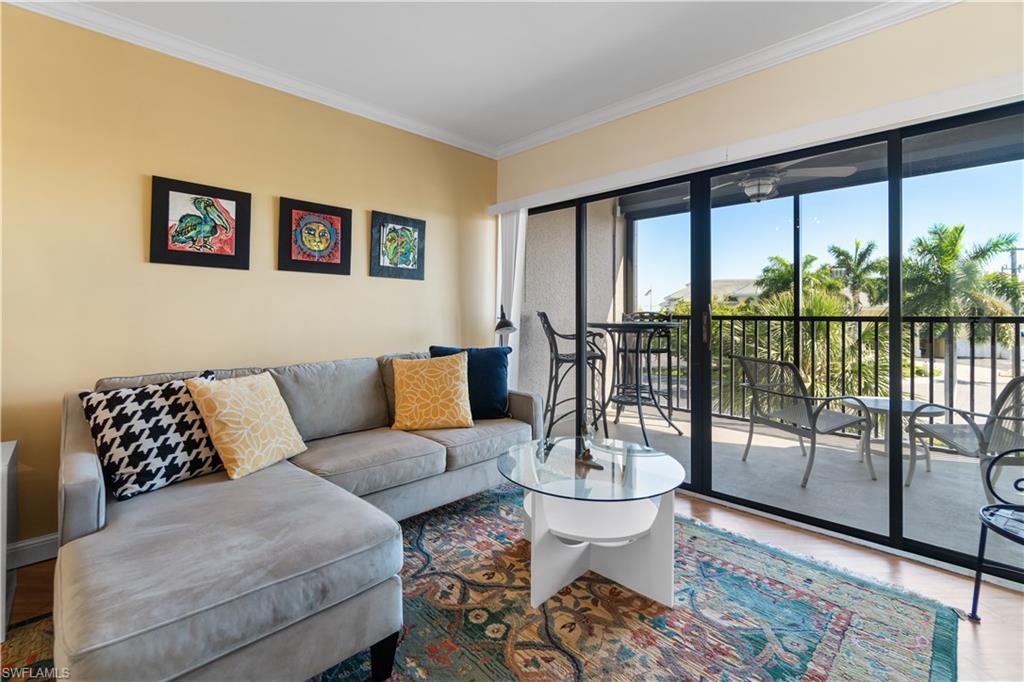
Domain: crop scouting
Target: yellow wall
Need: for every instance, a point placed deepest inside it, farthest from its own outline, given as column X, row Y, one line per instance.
column 961, row 45
column 87, row 120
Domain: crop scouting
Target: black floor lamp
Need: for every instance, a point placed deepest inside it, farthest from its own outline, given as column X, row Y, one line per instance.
column 504, row 328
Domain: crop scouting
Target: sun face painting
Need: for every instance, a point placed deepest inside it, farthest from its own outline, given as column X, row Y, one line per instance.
column 200, row 224
column 399, row 246
column 315, row 237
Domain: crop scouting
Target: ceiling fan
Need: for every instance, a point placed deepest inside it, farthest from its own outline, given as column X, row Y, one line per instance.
column 763, row 183
column 759, row 184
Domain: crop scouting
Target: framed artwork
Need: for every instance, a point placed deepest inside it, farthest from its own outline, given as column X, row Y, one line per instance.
column 314, row 237
column 396, row 246
column 194, row 224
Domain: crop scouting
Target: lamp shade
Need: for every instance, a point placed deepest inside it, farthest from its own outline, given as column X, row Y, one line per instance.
column 760, row 187
column 504, row 325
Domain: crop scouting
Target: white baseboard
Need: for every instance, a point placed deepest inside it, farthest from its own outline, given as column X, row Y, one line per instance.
column 32, row 550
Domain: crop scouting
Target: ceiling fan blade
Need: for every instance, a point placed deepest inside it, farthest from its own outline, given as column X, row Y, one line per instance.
column 821, row 172
column 786, row 164
column 686, row 197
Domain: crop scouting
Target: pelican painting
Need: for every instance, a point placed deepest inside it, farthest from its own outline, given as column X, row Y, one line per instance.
column 196, row 224
column 208, row 226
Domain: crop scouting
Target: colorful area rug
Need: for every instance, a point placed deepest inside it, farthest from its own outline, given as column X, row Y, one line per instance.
column 745, row 611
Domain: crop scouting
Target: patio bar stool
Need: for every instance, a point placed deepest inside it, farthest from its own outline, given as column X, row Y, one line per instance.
column 561, row 364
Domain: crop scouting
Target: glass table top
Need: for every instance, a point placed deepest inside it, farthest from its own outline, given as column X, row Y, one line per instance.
column 605, row 471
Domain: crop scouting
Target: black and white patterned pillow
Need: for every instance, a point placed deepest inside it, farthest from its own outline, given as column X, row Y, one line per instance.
column 149, row 437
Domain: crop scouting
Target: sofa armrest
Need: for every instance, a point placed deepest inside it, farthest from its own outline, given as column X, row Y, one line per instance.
column 529, row 408
column 81, row 495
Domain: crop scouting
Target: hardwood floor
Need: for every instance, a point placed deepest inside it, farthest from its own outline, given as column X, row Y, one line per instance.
column 34, row 593
column 990, row 650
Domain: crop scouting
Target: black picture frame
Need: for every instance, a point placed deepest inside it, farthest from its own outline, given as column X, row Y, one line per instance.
column 199, row 250
column 287, row 224
column 380, row 223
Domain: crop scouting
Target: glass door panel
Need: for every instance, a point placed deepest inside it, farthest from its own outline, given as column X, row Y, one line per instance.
column 963, row 193
column 802, row 337
column 638, row 273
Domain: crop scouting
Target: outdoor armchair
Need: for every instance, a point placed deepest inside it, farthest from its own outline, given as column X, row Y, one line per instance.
column 780, row 399
column 1000, row 430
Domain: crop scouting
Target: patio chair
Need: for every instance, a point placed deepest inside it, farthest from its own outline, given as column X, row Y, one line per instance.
column 779, row 398
column 1000, row 430
column 1005, row 518
column 561, row 364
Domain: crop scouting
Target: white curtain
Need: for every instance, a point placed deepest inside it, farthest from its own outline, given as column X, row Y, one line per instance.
column 511, row 262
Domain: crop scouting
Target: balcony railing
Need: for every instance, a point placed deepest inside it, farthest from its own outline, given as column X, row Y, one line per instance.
column 849, row 355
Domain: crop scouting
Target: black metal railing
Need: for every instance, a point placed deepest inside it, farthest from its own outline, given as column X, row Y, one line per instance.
column 849, row 355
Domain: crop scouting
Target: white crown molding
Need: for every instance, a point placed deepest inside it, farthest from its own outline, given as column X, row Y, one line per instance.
column 960, row 100
column 859, row 24
column 102, row 21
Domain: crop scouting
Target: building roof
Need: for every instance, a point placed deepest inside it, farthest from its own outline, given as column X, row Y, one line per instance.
column 725, row 289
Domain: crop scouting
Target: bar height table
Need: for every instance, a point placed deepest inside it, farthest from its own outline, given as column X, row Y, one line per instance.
column 628, row 386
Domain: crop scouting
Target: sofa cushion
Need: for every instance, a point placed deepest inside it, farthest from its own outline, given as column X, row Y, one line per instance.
column 432, row 393
column 487, row 439
column 191, row 572
column 149, row 437
column 248, row 422
column 113, row 383
column 328, row 398
column 487, row 370
column 387, row 376
column 367, row 461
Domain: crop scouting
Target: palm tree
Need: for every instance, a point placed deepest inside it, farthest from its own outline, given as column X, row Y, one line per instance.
column 777, row 277
column 943, row 277
column 860, row 273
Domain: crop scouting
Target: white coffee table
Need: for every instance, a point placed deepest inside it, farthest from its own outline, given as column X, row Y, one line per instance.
column 879, row 409
column 600, row 505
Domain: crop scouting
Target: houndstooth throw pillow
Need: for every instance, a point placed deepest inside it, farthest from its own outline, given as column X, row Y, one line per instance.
column 149, row 437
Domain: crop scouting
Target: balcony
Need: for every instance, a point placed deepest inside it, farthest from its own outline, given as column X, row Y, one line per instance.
column 842, row 356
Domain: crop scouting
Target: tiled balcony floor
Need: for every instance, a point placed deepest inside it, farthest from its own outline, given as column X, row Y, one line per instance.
column 940, row 506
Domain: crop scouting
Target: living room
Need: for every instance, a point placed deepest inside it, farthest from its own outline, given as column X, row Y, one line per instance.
column 428, row 340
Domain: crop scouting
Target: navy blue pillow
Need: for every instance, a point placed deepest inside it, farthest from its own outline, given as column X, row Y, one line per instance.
column 488, row 379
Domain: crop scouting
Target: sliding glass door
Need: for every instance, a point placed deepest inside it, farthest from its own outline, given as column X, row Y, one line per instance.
column 799, row 368
column 638, row 303
column 963, row 198
column 838, row 326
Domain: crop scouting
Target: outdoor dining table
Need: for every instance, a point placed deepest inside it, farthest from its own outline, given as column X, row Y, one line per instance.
column 631, row 346
column 879, row 409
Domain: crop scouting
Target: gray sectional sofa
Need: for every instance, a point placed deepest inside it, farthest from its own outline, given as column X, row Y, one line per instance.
column 275, row 576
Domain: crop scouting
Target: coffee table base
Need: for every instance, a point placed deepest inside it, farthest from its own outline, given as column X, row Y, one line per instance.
column 630, row 542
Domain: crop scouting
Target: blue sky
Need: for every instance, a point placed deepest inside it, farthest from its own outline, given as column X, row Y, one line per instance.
column 989, row 200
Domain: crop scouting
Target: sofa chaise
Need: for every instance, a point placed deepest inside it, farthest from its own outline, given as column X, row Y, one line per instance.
column 275, row 576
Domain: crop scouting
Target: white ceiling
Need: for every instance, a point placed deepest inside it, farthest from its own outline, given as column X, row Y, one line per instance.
column 489, row 77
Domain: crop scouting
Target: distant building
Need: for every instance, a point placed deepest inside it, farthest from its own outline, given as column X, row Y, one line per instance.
column 734, row 291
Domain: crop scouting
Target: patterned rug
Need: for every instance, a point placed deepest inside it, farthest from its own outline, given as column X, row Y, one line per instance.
column 745, row 611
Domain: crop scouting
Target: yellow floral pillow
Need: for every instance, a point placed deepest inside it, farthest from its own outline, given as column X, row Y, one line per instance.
column 248, row 421
column 431, row 393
